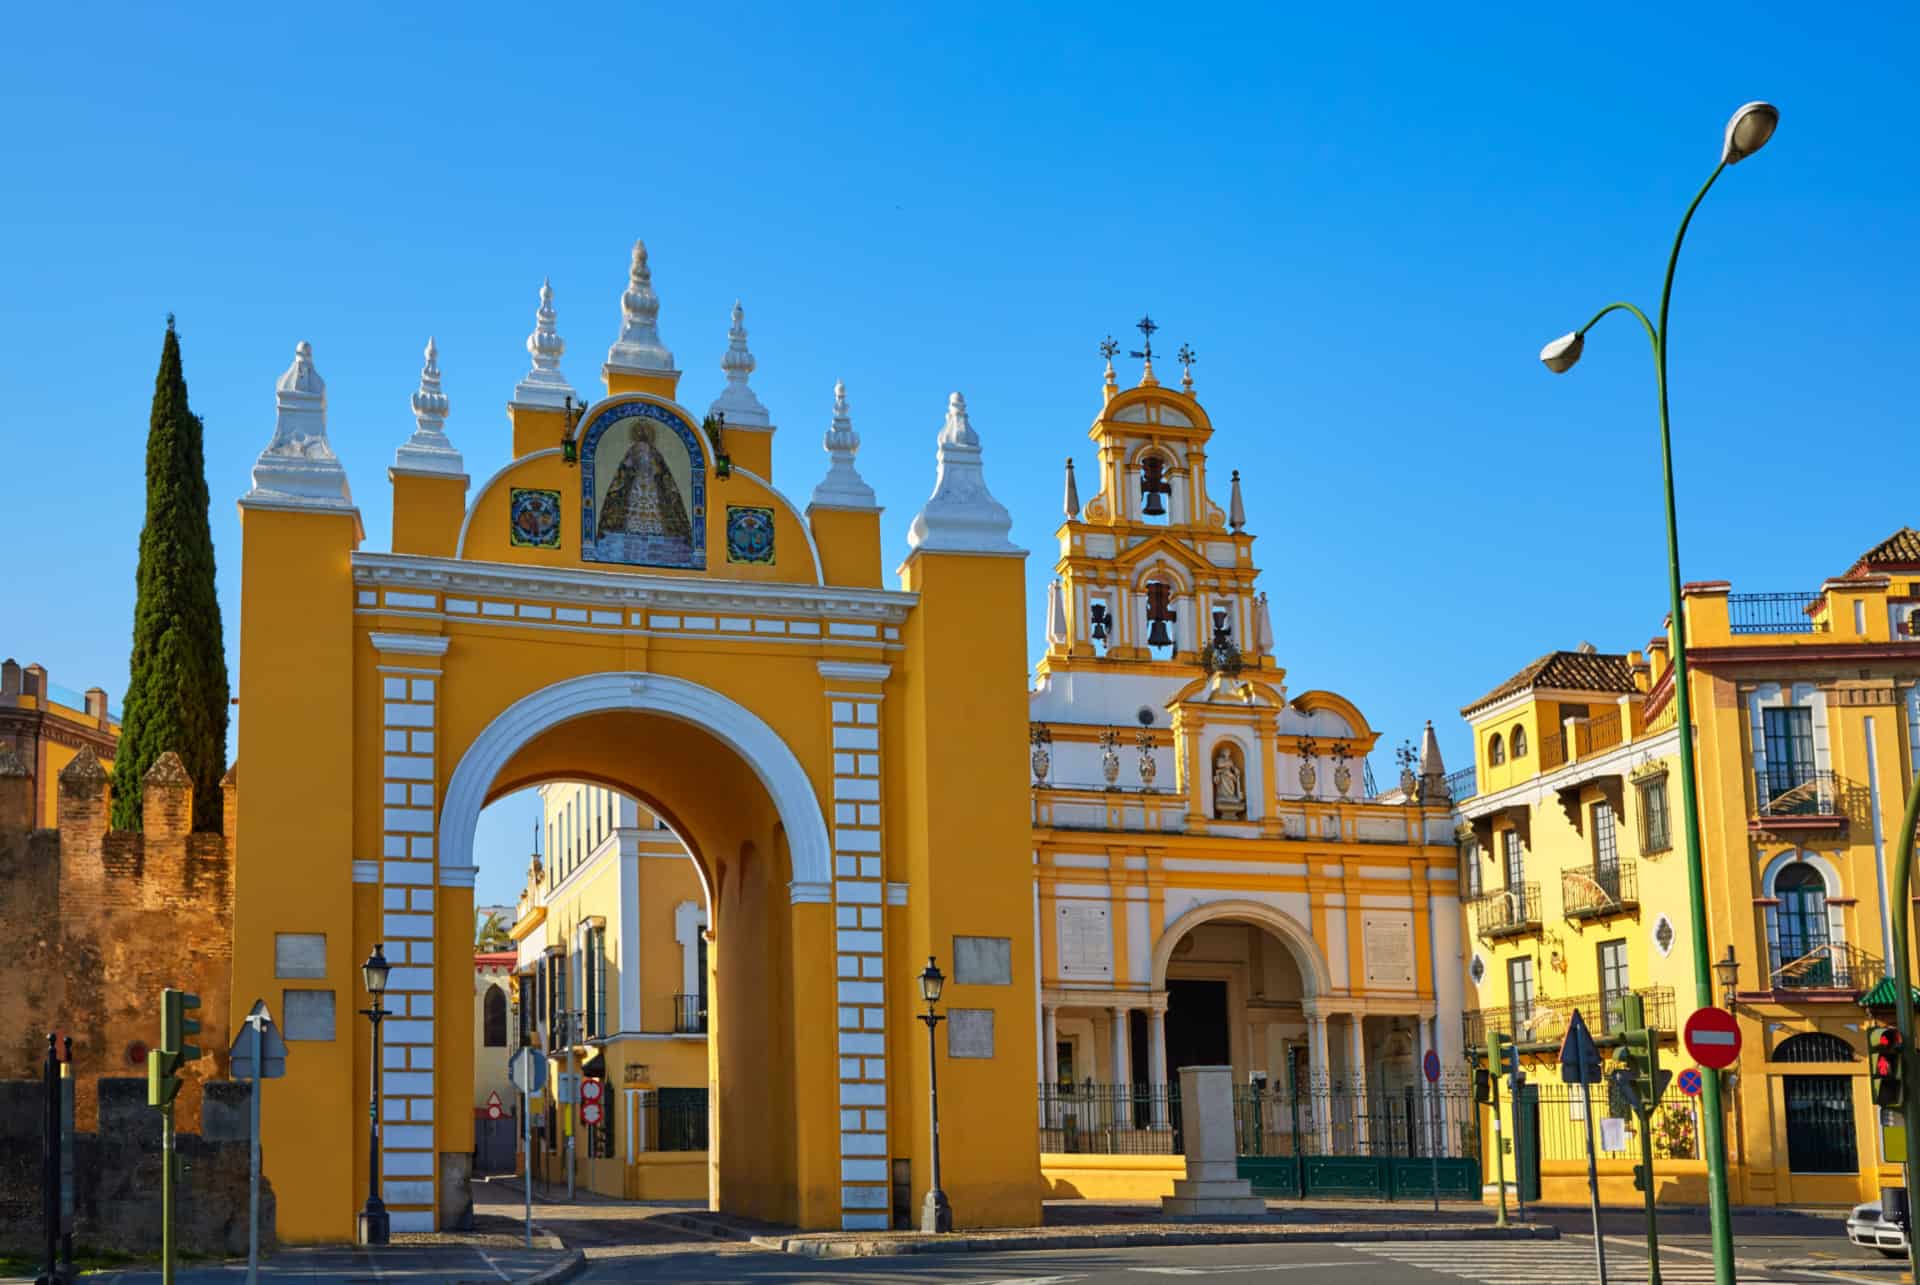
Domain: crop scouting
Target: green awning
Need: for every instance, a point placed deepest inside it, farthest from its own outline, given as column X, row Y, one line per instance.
column 1882, row 996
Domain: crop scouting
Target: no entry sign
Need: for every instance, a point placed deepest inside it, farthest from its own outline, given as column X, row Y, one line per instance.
column 1712, row 1037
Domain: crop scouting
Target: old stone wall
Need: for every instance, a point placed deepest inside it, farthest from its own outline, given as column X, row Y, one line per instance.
column 117, row 1172
column 100, row 921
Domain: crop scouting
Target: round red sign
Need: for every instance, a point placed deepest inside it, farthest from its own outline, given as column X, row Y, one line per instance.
column 1712, row 1037
column 590, row 1113
column 493, row 1111
column 590, row 1090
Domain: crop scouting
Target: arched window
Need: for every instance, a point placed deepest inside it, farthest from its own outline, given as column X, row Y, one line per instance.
column 1496, row 750
column 1518, row 741
column 1814, row 1046
column 493, row 1023
column 1800, row 930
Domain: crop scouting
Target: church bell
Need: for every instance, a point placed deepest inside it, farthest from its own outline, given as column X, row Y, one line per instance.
column 1153, row 485
column 1159, row 613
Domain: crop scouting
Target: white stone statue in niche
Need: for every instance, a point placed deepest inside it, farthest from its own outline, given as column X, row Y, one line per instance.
column 1229, row 788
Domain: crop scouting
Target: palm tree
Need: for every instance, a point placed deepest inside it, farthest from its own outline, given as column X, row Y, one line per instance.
column 492, row 934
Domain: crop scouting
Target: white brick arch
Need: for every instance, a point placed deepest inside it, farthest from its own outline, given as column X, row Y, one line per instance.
column 736, row 726
column 1314, row 977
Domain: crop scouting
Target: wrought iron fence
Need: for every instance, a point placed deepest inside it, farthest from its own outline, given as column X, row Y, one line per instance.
column 1785, row 789
column 1110, row 1119
column 1833, row 965
column 1390, row 1116
column 689, row 1014
column 1590, row 892
column 672, row 1120
column 1773, row 613
column 1563, row 1122
column 1547, row 1019
column 1507, row 912
column 1461, row 785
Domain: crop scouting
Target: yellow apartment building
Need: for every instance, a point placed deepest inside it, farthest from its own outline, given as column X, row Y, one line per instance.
column 46, row 726
column 1216, row 879
column 1807, row 715
column 611, row 974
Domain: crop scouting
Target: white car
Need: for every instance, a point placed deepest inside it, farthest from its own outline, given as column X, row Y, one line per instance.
column 1867, row 1229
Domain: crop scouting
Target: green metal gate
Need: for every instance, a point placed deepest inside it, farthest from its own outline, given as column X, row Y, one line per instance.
column 1340, row 1141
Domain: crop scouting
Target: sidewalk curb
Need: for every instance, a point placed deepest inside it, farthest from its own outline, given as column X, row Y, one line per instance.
column 849, row 1247
column 565, row 1270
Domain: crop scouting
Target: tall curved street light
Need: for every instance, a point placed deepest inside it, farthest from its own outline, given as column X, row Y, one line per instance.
column 1747, row 132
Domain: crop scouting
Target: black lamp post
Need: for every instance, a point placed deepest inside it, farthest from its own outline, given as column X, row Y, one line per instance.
column 936, row 1215
column 1728, row 971
column 375, row 1227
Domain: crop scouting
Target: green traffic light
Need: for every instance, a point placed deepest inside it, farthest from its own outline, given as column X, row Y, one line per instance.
column 175, row 1025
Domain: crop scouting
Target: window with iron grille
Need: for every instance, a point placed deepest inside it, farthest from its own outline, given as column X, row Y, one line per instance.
column 1496, row 750
column 1606, row 850
column 1789, row 748
column 1470, row 867
column 594, row 982
column 1520, row 990
column 528, row 1004
column 1517, row 740
column 1516, row 861
column 1613, row 981
column 1656, row 824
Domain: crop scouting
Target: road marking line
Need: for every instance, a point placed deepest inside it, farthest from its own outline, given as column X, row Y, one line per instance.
column 1247, row 1267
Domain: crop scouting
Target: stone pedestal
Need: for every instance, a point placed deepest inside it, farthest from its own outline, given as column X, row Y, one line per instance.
column 1212, row 1191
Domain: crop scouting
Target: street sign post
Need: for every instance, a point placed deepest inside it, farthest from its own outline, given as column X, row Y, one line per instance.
column 258, row 1053
column 1580, row 1064
column 1712, row 1037
column 527, row 1070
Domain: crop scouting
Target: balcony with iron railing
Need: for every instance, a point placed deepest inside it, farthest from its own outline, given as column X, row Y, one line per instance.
column 1789, row 797
column 1600, row 892
column 1774, row 613
column 1830, row 966
column 689, row 1014
column 1581, row 738
column 1507, row 912
column 1545, row 1020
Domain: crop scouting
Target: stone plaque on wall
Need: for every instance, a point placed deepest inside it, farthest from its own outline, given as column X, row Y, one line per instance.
column 969, row 1032
column 983, row 961
column 306, row 1015
column 1086, row 940
column 299, row 954
column 1386, row 943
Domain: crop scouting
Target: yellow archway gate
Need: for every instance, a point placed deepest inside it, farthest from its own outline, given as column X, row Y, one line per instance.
column 631, row 600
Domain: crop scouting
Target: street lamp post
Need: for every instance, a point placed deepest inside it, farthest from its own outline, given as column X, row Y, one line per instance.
column 1747, row 132
column 936, row 1215
column 1728, row 970
column 374, row 1225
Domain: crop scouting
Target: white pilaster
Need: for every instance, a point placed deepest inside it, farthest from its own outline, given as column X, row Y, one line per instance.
column 1357, row 1063
column 1157, row 1063
column 1122, row 1049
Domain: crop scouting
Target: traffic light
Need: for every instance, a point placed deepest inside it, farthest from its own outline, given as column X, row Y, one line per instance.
column 175, row 1025
column 1639, row 1177
column 1482, row 1077
column 1635, row 1071
column 163, row 1086
column 1887, row 1065
column 1506, row 1058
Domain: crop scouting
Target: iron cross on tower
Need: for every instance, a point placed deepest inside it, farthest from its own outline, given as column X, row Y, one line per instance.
column 1146, row 327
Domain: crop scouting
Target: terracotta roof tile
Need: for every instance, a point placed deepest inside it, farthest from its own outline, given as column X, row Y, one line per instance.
column 1583, row 671
column 1901, row 549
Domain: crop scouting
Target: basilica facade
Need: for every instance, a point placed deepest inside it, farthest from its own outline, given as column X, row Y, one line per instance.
column 1216, row 880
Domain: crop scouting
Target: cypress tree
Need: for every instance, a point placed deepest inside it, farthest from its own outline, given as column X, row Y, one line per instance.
column 177, row 688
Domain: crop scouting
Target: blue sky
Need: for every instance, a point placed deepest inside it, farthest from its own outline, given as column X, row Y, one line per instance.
column 1366, row 224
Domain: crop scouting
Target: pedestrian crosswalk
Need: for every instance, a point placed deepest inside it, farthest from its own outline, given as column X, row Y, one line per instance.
column 1567, row 1261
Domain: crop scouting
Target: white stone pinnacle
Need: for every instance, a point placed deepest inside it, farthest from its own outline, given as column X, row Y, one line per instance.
column 429, row 450
column 299, row 468
column 638, row 348
column 739, row 404
column 544, row 385
column 961, row 516
column 842, row 487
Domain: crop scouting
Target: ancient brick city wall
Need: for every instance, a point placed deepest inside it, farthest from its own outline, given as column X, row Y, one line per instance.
column 117, row 1173
column 100, row 921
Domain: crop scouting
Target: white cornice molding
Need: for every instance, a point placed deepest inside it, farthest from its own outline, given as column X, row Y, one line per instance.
column 410, row 644
column 619, row 589
column 1617, row 761
column 366, row 872
column 850, row 671
column 896, row 894
column 806, row 892
column 457, row 876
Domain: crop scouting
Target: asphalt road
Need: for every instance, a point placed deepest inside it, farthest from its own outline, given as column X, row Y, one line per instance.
column 1569, row 1261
